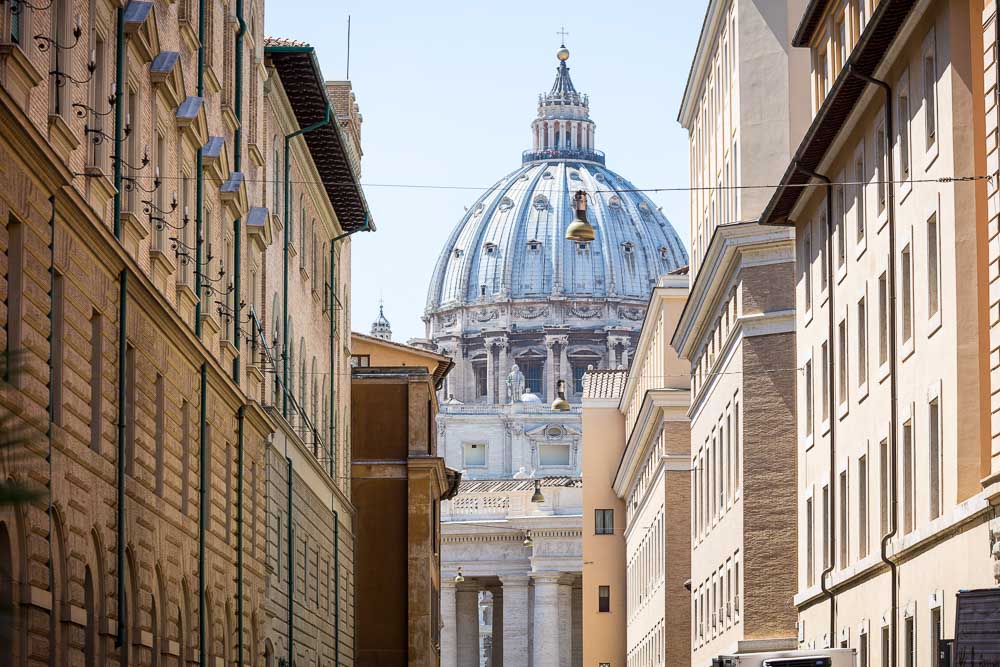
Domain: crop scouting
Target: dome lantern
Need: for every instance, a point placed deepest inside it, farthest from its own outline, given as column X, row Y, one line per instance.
column 381, row 327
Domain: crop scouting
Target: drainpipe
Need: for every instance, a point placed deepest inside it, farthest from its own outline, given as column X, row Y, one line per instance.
column 336, row 589
column 203, row 477
column 119, row 97
column 123, row 282
column 893, row 379
column 52, row 388
column 238, row 222
column 333, row 346
column 199, row 190
column 240, row 416
column 291, row 569
column 831, row 402
column 120, row 567
column 327, row 117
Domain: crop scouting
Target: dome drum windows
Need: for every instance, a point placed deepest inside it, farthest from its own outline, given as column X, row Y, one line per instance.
column 490, row 248
column 506, row 204
column 541, row 202
column 615, row 201
column 628, row 247
column 459, row 252
column 534, row 246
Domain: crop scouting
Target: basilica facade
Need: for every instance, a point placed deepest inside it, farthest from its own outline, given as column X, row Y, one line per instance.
column 521, row 310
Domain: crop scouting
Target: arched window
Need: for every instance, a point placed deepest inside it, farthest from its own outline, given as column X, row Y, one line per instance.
column 302, row 397
column 302, row 230
column 314, row 399
column 290, row 380
column 312, row 251
column 91, row 626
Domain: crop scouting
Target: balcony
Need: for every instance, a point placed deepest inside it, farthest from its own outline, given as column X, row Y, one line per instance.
column 587, row 154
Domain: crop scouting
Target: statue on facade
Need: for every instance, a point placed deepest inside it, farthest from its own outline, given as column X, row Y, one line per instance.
column 515, row 384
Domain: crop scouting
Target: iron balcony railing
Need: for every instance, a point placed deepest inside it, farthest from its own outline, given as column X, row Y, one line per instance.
column 588, row 154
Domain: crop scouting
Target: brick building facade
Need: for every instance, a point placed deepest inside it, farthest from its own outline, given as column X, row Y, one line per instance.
column 139, row 399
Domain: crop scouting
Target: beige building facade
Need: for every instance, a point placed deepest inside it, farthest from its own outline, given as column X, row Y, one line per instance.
column 133, row 285
column 892, row 326
column 737, row 330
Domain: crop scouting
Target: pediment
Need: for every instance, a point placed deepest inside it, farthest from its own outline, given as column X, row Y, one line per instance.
column 552, row 432
column 140, row 27
column 191, row 120
column 167, row 77
column 259, row 228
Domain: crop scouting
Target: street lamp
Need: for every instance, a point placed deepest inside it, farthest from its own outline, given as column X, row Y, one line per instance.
column 537, row 496
column 580, row 229
column 560, row 404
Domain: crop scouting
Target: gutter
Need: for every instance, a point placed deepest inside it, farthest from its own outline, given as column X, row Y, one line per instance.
column 203, row 407
column 199, row 201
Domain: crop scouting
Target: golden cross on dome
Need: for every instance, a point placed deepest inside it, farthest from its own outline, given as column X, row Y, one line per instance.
column 562, row 35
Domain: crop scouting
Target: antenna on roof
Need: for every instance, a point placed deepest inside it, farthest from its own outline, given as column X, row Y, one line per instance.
column 348, row 78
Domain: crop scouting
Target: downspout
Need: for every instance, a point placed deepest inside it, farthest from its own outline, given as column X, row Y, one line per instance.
column 123, row 291
column 237, row 308
column 238, row 222
column 120, row 571
column 52, row 388
column 291, row 569
column 336, row 588
column 893, row 379
column 199, row 192
column 831, row 403
column 327, row 117
column 202, row 515
column 240, row 417
column 333, row 346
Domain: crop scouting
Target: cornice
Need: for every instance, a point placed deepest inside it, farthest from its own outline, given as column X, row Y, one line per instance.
column 702, row 56
column 731, row 248
column 657, row 405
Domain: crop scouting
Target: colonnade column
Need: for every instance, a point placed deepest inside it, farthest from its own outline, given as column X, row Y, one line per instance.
column 449, row 647
column 514, row 622
column 504, row 372
column 547, row 641
column 612, row 356
column 550, row 369
column 496, row 656
column 491, row 378
column 565, row 622
column 467, row 625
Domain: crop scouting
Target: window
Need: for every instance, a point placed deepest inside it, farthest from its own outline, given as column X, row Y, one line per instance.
column 553, row 455
column 862, row 326
column 532, row 376
column 810, row 544
column 158, row 432
column 863, row 506
column 96, row 380
column 737, row 469
column 479, row 370
column 883, row 319
column 842, row 363
column 936, row 632
column 807, row 269
column 579, row 370
column 130, row 398
column 930, row 95
column 908, row 491
column 909, row 643
column 886, row 646
column 934, row 453
column 933, row 272
column 823, row 259
column 58, row 361
column 825, row 384
column 820, row 72
column 883, row 486
column 361, row 360
column 604, row 522
column 844, row 522
column 15, row 298
column 880, row 164
column 906, row 276
column 840, row 216
column 826, row 527
column 604, row 598
column 903, row 110
column 809, row 397
column 185, row 454
column 859, row 194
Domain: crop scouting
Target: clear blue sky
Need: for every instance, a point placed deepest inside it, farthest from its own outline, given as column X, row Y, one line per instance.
column 448, row 91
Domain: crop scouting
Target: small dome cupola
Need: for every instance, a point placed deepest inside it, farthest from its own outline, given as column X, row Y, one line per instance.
column 380, row 327
column 562, row 128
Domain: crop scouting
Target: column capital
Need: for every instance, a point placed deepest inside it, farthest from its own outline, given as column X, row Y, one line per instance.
column 546, row 577
column 513, row 580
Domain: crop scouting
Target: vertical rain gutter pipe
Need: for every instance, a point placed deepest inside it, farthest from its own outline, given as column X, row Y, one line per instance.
column 200, row 179
column 122, row 307
column 203, row 407
column 893, row 379
column 237, row 314
column 831, row 536
column 327, row 117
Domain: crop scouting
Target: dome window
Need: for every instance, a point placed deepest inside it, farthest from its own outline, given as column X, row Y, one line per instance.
column 541, row 202
column 599, row 177
column 664, row 252
column 490, row 248
column 534, row 246
column 582, row 248
column 548, row 176
column 459, row 252
column 615, row 201
column 479, row 209
column 506, row 204
column 628, row 247
column 574, row 175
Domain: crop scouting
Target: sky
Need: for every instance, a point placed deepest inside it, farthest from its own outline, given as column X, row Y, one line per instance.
column 448, row 90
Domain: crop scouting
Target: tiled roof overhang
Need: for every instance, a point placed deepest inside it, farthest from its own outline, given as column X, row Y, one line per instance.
column 305, row 88
column 867, row 55
column 810, row 21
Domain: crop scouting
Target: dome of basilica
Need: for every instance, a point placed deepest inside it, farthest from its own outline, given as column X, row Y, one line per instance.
column 510, row 245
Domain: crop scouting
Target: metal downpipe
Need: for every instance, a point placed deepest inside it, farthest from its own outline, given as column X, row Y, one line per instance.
column 291, row 568
column 831, row 402
column 328, row 116
column 240, row 418
column 202, row 514
column 336, row 588
column 119, row 93
column 120, row 457
column 893, row 379
column 199, row 182
column 238, row 222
